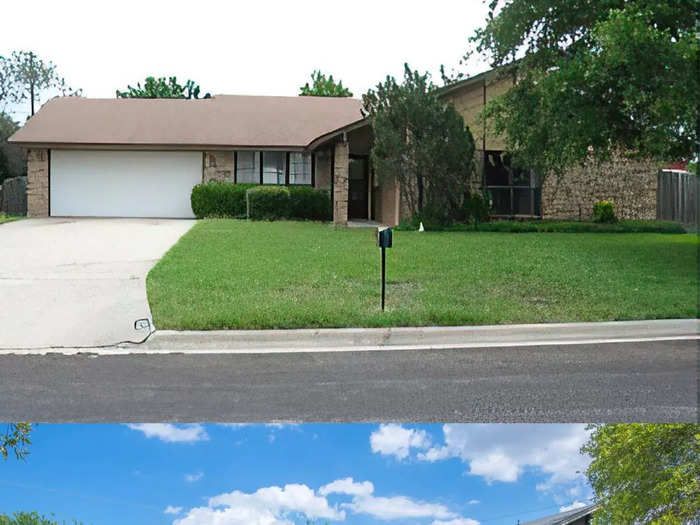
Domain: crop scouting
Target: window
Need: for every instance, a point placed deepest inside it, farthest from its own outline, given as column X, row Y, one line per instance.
column 300, row 168
column 514, row 190
column 273, row 167
column 248, row 166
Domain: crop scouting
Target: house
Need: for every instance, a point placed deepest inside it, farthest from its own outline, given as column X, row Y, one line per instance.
column 517, row 193
column 141, row 157
column 580, row 516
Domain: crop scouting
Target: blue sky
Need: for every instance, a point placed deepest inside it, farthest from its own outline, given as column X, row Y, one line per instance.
column 282, row 474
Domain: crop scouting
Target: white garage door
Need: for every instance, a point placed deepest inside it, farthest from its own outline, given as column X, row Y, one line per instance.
column 123, row 183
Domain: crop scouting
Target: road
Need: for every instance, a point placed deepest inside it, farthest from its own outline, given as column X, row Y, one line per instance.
column 640, row 381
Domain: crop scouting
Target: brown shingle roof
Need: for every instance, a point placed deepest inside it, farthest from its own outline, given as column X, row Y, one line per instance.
column 223, row 120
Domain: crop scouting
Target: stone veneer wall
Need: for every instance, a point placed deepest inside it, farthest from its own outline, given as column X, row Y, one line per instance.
column 218, row 165
column 322, row 173
column 340, row 183
column 630, row 184
column 38, row 183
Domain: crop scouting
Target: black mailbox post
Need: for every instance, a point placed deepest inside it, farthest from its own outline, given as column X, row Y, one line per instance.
column 384, row 235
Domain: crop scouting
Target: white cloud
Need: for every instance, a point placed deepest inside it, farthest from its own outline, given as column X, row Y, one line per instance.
column 458, row 521
column 575, row 505
column 473, row 502
column 503, row 454
column 191, row 478
column 393, row 439
column 282, row 505
column 172, row 433
column 266, row 506
column 172, row 510
column 347, row 486
column 397, row 507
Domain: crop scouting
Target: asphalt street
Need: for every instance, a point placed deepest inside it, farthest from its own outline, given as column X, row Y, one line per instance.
column 640, row 381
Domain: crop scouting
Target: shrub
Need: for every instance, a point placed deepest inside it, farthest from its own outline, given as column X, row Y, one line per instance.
column 477, row 208
column 219, row 199
column 268, row 203
column 306, row 202
column 604, row 211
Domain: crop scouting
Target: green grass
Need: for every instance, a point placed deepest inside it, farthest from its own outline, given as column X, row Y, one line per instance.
column 8, row 218
column 226, row 274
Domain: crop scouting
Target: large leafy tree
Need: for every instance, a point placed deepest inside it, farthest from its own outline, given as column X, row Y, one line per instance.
column 594, row 76
column 163, row 88
column 12, row 157
column 31, row 518
column 16, row 438
column 24, row 76
column 645, row 473
column 324, row 86
column 422, row 143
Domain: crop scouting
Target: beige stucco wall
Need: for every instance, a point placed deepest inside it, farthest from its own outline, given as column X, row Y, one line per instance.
column 630, row 184
column 469, row 102
column 38, row 183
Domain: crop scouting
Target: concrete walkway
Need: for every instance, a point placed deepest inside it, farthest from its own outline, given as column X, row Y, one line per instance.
column 78, row 282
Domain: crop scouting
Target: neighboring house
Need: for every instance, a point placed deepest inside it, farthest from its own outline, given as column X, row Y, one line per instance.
column 141, row 157
column 631, row 185
column 580, row 516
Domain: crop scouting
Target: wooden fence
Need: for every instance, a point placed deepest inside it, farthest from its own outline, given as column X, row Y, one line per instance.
column 677, row 197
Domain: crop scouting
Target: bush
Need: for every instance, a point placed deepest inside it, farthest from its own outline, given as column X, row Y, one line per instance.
column 268, row 203
column 477, row 208
column 309, row 203
column 557, row 226
column 604, row 211
column 219, row 199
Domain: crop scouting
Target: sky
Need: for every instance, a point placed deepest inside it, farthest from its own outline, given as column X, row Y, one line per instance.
column 284, row 474
column 261, row 48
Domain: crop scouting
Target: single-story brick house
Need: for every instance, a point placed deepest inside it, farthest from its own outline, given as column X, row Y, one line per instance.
column 632, row 185
column 141, row 157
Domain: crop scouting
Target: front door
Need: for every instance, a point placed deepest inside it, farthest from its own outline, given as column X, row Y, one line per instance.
column 357, row 188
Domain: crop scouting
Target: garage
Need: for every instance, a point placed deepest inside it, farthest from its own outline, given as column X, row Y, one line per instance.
column 112, row 183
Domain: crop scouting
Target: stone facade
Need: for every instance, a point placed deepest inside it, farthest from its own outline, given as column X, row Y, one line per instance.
column 630, row 184
column 340, row 184
column 38, row 183
column 218, row 165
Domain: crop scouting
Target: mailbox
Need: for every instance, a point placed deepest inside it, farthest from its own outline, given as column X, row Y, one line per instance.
column 384, row 237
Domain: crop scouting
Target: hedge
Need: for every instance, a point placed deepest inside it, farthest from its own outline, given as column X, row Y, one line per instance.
column 219, row 199
column 556, row 226
column 288, row 202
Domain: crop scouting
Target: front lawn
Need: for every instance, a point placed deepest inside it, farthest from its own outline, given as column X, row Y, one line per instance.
column 226, row 274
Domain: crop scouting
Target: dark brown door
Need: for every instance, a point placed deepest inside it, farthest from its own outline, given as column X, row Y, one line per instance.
column 357, row 188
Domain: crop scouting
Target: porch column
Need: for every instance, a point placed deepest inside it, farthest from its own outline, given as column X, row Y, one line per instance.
column 340, row 183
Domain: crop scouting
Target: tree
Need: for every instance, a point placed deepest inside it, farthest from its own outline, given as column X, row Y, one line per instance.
column 162, row 88
column 31, row 518
column 422, row 143
column 594, row 76
column 645, row 473
column 324, row 87
column 24, row 76
column 16, row 438
column 12, row 157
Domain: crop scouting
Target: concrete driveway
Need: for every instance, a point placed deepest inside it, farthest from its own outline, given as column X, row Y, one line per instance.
column 78, row 282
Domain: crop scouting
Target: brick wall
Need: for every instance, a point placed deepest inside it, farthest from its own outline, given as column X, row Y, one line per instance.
column 630, row 184
column 38, row 183
column 218, row 165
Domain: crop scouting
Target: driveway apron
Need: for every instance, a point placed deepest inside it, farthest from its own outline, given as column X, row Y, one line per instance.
column 78, row 282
